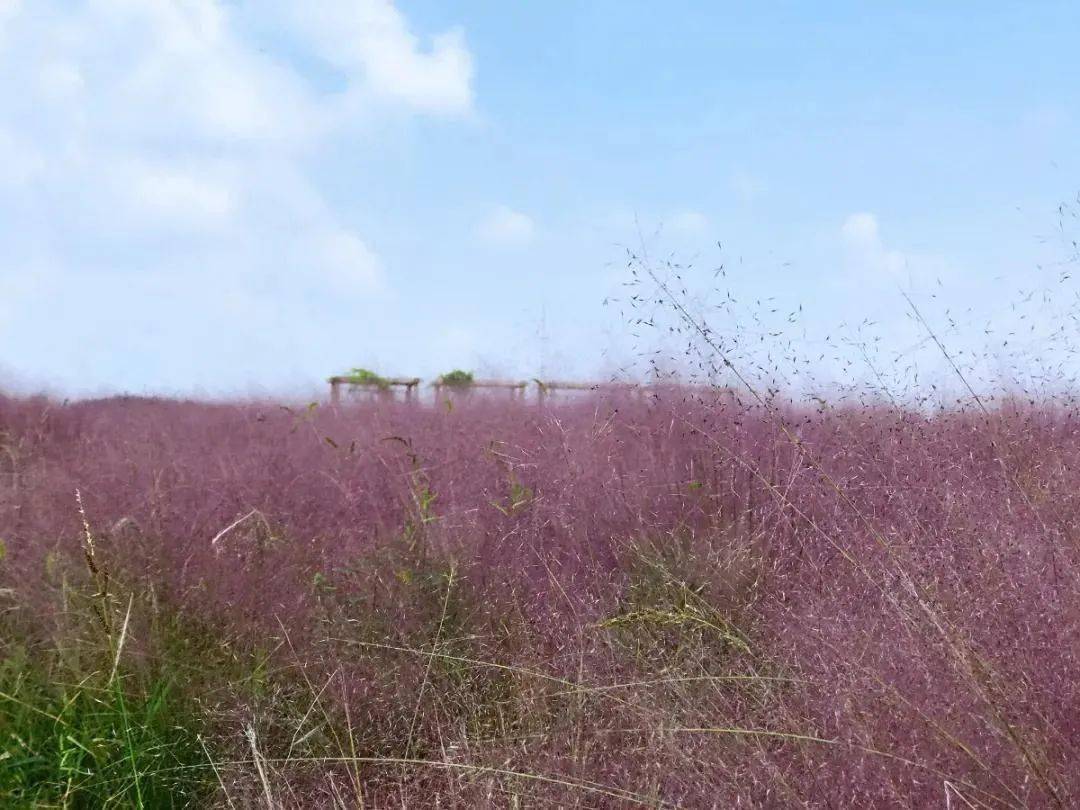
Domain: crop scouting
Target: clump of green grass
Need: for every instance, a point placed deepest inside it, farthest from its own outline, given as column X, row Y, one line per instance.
column 519, row 497
column 95, row 738
column 668, row 609
column 111, row 697
column 85, row 723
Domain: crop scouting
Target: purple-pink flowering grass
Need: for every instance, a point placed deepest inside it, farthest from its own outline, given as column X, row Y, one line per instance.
column 679, row 601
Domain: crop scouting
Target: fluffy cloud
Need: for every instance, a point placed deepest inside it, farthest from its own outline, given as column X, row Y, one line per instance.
column 8, row 9
column 179, row 196
column 370, row 40
column 872, row 264
column 688, row 223
column 155, row 155
column 506, row 227
column 352, row 266
column 862, row 241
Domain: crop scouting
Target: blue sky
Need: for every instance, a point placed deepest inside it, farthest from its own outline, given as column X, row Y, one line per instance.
column 200, row 196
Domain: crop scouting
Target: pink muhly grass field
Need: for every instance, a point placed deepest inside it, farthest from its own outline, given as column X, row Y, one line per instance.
column 605, row 603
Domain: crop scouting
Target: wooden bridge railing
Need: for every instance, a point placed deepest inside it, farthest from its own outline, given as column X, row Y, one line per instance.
column 546, row 387
column 382, row 387
column 516, row 388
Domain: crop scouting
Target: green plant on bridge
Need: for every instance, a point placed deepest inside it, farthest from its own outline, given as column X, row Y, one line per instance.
column 363, row 376
column 457, row 378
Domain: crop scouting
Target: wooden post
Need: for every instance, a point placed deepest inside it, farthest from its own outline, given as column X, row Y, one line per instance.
column 335, row 391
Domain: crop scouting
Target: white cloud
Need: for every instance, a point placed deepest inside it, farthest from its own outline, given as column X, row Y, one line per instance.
column 876, row 265
column 507, row 227
column 164, row 141
column 347, row 261
column 688, row 223
column 371, row 42
column 8, row 10
column 862, row 241
column 60, row 80
column 179, row 196
column 861, row 230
